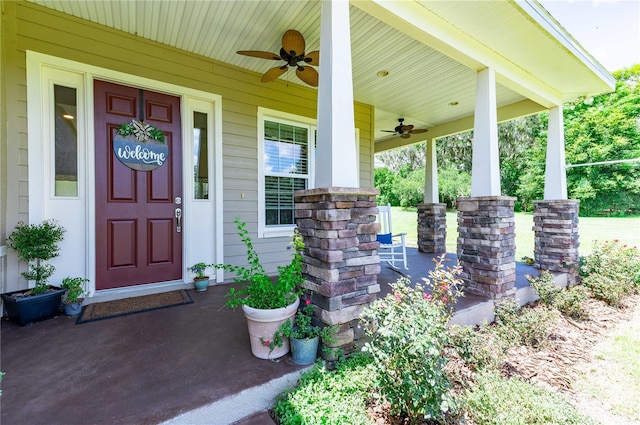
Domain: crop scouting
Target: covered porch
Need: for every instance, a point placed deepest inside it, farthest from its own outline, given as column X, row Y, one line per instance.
column 192, row 360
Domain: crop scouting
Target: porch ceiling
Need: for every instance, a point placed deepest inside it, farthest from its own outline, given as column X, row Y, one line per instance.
column 431, row 50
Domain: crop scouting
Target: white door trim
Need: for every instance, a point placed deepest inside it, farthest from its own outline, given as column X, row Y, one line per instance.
column 39, row 176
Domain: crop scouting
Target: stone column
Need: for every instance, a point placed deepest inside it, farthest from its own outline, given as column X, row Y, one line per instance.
column 341, row 263
column 555, row 224
column 432, row 228
column 486, row 245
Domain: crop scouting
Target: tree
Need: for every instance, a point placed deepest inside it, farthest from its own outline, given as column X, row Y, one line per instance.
column 408, row 157
column 607, row 129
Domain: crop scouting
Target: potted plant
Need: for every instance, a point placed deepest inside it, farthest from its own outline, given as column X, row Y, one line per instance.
column 304, row 336
column 266, row 303
column 35, row 244
column 201, row 281
column 74, row 295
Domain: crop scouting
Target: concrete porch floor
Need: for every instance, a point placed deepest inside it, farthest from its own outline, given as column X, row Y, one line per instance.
column 189, row 364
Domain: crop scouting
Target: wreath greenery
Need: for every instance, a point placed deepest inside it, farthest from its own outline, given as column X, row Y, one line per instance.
column 141, row 131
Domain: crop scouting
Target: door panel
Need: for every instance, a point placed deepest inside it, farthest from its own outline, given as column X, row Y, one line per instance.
column 137, row 241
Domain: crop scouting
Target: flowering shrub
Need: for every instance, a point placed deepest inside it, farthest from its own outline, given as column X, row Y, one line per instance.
column 444, row 287
column 408, row 333
column 611, row 271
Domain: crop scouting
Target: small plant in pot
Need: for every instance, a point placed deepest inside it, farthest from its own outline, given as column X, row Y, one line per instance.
column 201, row 281
column 266, row 302
column 74, row 295
column 35, row 244
column 304, row 336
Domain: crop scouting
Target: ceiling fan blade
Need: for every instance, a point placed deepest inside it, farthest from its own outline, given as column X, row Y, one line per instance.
column 405, row 135
column 313, row 58
column 259, row 54
column 419, row 130
column 389, row 131
column 273, row 73
column 308, row 75
column 406, row 128
column 292, row 41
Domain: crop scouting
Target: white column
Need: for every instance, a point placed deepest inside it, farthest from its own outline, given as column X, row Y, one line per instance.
column 431, row 174
column 485, row 168
column 555, row 176
column 336, row 160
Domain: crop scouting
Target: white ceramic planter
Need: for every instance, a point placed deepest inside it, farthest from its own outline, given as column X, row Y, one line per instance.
column 263, row 324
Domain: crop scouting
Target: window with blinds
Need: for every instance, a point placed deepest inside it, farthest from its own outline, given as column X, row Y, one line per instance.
column 286, row 169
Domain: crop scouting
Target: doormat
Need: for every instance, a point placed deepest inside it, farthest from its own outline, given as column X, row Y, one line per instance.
column 126, row 306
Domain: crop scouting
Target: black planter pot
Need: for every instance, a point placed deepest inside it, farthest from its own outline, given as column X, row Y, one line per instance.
column 25, row 310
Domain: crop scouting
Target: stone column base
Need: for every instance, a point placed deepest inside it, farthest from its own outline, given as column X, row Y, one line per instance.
column 432, row 228
column 341, row 263
column 555, row 224
column 486, row 245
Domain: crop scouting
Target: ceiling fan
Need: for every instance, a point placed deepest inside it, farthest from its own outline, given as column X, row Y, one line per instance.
column 405, row 131
column 292, row 52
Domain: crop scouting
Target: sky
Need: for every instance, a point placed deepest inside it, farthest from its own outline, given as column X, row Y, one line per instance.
column 608, row 29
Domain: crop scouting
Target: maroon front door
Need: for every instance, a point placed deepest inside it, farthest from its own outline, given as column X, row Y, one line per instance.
column 138, row 240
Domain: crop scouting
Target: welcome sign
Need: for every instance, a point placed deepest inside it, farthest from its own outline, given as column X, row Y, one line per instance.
column 140, row 156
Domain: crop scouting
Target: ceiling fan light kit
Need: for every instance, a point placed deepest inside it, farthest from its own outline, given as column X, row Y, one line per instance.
column 293, row 54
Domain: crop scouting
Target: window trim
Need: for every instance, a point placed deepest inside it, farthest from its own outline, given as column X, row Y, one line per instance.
column 265, row 114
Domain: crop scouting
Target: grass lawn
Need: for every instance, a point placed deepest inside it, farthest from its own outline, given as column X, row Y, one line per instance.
column 627, row 230
column 614, row 377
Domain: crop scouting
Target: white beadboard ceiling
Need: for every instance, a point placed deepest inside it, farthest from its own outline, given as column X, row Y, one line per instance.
column 528, row 48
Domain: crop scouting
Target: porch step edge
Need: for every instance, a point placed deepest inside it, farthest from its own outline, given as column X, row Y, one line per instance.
column 238, row 406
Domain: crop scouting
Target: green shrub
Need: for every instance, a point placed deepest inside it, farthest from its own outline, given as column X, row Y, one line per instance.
column 611, row 271
column 493, row 399
column 522, row 326
column 569, row 302
column 408, row 340
column 336, row 397
column 477, row 347
column 545, row 286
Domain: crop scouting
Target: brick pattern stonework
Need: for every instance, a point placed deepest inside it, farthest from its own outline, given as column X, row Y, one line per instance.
column 486, row 245
column 341, row 263
column 432, row 228
column 555, row 225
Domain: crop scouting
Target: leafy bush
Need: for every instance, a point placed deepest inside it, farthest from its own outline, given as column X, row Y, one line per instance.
column 545, row 286
column 522, row 326
column 259, row 290
column 384, row 180
column 35, row 244
column 611, row 271
column 408, row 340
column 336, row 397
column 500, row 401
column 453, row 183
column 568, row 301
column 410, row 188
column 478, row 348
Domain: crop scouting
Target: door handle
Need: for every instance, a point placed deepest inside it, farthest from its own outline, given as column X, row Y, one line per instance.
column 179, row 220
